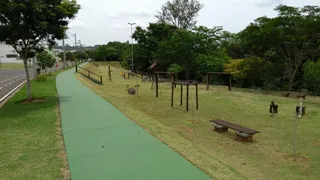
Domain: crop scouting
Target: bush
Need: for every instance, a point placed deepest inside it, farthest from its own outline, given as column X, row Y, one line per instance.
column 41, row 78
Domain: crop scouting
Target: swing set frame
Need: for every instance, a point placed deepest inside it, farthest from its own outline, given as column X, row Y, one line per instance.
column 187, row 84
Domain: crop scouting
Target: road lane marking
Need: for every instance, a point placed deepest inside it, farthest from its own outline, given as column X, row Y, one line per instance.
column 9, row 83
column 0, row 87
column 11, row 78
column 9, row 93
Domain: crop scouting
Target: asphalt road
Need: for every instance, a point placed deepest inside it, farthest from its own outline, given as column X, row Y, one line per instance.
column 10, row 79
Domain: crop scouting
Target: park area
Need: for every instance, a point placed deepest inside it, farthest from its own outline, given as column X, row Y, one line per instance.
column 221, row 155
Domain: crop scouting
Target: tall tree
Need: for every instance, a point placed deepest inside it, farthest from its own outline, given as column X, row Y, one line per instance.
column 149, row 40
column 312, row 75
column 290, row 38
column 181, row 13
column 180, row 49
column 26, row 25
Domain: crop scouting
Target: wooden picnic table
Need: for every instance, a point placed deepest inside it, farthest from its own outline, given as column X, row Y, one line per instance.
column 243, row 133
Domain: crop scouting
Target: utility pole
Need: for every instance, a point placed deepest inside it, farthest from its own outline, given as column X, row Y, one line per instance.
column 64, row 54
column 131, row 24
column 75, row 43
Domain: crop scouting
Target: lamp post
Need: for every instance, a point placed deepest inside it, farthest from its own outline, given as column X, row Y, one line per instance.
column 131, row 24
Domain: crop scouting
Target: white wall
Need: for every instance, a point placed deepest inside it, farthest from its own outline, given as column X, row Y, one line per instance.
column 4, row 51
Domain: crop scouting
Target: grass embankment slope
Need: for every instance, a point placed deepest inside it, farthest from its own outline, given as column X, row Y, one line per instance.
column 269, row 156
column 30, row 136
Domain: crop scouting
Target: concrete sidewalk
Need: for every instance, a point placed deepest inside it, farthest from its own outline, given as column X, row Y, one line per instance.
column 102, row 143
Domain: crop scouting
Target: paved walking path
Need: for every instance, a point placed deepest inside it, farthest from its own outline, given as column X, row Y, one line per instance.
column 102, row 143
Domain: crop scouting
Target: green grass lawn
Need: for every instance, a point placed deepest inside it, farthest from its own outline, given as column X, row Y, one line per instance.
column 11, row 66
column 30, row 136
column 269, row 156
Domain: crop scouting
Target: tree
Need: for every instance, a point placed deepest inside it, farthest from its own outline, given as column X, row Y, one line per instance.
column 150, row 38
column 101, row 53
column 180, row 49
column 70, row 56
column 290, row 38
column 45, row 60
column 111, row 53
column 26, row 25
column 312, row 75
column 252, row 71
column 180, row 13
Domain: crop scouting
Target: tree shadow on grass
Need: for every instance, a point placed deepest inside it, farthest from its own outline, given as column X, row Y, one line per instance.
column 14, row 109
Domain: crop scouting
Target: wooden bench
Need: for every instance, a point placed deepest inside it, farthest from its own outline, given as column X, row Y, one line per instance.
column 243, row 133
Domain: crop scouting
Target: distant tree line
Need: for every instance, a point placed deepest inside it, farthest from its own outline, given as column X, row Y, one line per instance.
column 279, row 53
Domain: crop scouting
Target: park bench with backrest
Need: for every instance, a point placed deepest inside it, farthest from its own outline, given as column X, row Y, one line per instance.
column 243, row 133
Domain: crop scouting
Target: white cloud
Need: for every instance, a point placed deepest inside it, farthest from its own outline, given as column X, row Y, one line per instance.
column 268, row 3
column 100, row 21
column 77, row 24
column 122, row 13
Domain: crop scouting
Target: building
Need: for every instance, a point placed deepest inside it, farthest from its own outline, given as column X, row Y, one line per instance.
column 8, row 54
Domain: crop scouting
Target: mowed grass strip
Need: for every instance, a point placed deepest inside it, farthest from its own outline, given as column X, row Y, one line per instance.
column 11, row 66
column 269, row 156
column 31, row 144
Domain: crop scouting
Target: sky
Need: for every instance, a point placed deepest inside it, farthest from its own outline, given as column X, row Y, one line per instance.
column 101, row 21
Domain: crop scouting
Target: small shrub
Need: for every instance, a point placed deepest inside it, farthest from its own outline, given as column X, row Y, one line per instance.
column 41, row 78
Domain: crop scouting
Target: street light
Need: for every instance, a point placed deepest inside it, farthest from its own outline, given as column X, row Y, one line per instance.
column 131, row 24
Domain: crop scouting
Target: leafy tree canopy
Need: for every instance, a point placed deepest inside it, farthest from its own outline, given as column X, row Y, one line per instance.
column 180, row 13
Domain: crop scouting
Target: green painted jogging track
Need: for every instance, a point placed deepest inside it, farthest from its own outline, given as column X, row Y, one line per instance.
column 103, row 144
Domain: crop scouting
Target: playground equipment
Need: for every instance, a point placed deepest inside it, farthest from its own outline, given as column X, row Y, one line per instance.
column 109, row 73
column 273, row 108
column 187, row 84
column 157, row 80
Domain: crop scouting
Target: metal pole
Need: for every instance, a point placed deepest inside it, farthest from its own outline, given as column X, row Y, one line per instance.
column 131, row 24
column 75, row 43
column 295, row 130
column 131, row 51
column 64, row 54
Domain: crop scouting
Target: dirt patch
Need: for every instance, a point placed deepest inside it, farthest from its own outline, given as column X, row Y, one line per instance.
column 298, row 158
column 192, row 121
column 26, row 101
column 185, row 129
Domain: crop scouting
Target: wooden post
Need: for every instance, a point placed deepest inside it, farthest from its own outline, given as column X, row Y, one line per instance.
column 172, row 89
column 76, row 68
column 197, row 104
column 156, row 85
column 208, row 81
column 100, row 79
column 230, row 82
column 181, row 95
column 187, row 100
